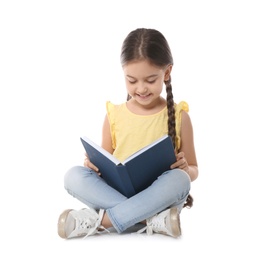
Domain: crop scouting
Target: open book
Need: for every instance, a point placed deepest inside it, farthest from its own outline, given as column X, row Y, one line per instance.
column 138, row 171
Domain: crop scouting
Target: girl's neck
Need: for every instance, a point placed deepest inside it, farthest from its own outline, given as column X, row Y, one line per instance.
column 151, row 109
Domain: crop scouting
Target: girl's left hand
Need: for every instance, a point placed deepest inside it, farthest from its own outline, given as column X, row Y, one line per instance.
column 181, row 162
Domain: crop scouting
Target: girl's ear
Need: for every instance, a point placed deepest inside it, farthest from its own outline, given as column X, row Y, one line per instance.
column 167, row 73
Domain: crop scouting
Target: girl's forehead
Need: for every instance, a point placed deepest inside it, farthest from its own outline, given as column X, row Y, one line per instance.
column 142, row 67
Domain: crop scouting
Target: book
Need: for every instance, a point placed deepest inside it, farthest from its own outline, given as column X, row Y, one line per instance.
column 138, row 171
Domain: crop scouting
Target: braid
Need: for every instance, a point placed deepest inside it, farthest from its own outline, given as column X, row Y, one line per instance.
column 171, row 112
column 172, row 128
column 128, row 97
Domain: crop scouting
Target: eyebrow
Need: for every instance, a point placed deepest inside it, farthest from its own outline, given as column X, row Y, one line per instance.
column 150, row 76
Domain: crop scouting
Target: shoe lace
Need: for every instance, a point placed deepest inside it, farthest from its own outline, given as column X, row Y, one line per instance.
column 154, row 224
column 86, row 224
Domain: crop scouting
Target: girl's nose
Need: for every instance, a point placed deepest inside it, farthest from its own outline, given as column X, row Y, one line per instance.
column 141, row 88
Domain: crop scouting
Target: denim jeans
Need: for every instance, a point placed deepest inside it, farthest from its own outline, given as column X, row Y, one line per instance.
column 170, row 189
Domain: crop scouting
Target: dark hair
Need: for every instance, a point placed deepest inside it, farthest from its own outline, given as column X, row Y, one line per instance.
column 151, row 45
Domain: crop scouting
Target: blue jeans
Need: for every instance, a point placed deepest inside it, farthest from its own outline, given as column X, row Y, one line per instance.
column 169, row 190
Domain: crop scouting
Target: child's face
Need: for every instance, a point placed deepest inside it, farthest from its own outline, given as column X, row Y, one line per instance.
column 144, row 81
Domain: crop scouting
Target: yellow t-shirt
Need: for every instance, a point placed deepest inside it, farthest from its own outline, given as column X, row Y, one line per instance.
column 131, row 132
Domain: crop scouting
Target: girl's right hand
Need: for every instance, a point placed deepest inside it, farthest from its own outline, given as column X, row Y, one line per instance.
column 87, row 163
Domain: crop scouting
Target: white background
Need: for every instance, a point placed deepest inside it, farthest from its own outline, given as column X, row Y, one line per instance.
column 59, row 64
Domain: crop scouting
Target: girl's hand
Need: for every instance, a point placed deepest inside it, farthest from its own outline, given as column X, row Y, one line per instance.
column 181, row 162
column 88, row 164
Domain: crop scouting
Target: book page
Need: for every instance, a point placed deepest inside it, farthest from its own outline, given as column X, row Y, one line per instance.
column 101, row 150
column 144, row 149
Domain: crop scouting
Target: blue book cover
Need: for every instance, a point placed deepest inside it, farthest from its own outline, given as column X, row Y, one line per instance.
column 138, row 171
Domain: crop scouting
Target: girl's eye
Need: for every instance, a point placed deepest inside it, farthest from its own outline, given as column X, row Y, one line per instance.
column 151, row 81
column 148, row 81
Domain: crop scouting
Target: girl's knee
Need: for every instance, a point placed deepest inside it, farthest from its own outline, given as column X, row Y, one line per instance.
column 180, row 176
column 73, row 176
column 180, row 180
column 182, row 184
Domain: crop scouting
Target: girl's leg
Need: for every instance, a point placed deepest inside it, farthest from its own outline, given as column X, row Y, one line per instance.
column 86, row 186
column 169, row 190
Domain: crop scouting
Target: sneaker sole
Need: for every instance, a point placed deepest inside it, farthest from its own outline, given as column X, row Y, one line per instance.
column 62, row 222
column 175, row 220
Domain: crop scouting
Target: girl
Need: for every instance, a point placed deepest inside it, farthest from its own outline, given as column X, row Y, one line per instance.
column 146, row 116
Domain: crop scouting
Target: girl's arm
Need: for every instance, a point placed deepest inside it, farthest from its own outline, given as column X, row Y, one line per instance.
column 186, row 158
column 106, row 144
column 106, row 136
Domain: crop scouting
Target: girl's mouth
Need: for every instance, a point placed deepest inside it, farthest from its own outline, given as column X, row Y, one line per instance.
column 144, row 96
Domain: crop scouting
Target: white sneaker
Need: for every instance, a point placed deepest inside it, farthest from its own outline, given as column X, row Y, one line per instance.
column 167, row 222
column 77, row 223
